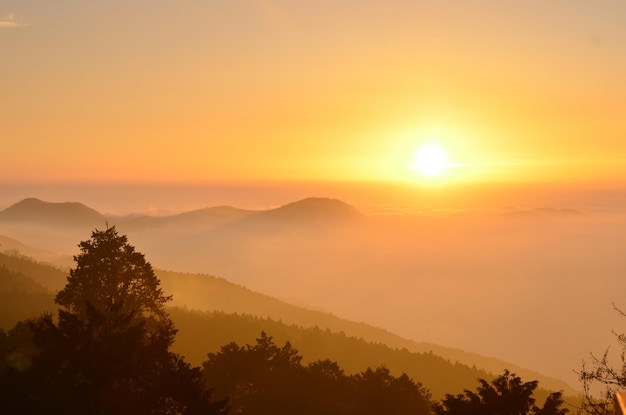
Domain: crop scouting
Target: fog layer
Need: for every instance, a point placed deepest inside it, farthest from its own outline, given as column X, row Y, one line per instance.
column 534, row 287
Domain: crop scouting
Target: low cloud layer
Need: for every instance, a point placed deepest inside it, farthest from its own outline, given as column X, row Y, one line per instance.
column 10, row 21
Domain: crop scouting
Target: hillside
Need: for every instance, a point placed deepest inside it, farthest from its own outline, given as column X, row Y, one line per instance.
column 178, row 239
column 209, row 293
column 432, row 280
column 313, row 211
column 8, row 244
column 202, row 332
column 206, row 294
column 21, row 297
column 206, row 218
column 51, row 278
column 33, row 210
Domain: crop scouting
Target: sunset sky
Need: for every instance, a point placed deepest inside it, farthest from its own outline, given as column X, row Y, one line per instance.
column 241, row 90
column 453, row 124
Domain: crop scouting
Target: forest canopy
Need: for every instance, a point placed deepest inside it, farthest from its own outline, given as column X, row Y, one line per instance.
column 108, row 351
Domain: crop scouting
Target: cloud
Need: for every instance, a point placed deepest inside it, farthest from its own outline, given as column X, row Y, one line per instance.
column 10, row 22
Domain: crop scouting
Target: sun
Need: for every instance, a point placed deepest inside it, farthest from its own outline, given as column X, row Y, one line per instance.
column 431, row 160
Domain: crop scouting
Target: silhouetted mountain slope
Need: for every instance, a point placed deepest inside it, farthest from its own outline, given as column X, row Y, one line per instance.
column 246, row 247
column 310, row 212
column 197, row 219
column 306, row 213
column 59, row 214
column 52, row 278
column 17, row 281
column 317, row 335
column 209, row 293
column 202, row 332
column 21, row 297
column 317, row 209
column 11, row 245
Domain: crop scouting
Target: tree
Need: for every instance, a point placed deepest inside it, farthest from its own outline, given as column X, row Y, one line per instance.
column 108, row 353
column 506, row 395
column 269, row 379
column 109, row 272
column 604, row 378
column 263, row 378
column 379, row 392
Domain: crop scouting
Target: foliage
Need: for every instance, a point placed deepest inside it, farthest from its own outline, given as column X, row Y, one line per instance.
column 202, row 332
column 506, row 395
column 21, row 297
column 47, row 275
column 108, row 351
column 109, row 272
column 604, row 378
column 268, row 379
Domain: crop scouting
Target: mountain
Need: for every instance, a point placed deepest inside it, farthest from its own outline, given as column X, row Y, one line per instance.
column 43, row 274
column 310, row 212
column 241, row 245
column 36, row 211
column 208, row 294
column 21, row 295
column 11, row 245
column 206, row 218
column 453, row 280
column 202, row 332
column 185, row 236
column 355, row 346
column 314, row 211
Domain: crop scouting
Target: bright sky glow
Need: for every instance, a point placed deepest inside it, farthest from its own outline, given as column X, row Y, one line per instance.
column 254, row 90
column 431, row 160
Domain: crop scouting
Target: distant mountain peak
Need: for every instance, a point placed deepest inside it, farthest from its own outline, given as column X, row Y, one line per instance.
column 57, row 213
column 320, row 205
column 309, row 213
column 29, row 201
column 314, row 209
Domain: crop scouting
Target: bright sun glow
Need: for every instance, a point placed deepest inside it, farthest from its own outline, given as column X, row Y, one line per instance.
column 431, row 160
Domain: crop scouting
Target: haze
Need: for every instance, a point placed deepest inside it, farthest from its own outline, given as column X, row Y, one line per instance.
column 156, row 107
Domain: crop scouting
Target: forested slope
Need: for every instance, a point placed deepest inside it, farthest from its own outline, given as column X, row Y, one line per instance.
column 234, row 313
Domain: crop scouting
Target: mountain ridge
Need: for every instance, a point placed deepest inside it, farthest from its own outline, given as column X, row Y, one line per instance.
column 404, row 276
column 59, row 213
column 207, row 294
column 312, row 210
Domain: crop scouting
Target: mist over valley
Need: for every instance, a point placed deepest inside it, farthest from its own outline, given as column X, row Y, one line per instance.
column 529, row 286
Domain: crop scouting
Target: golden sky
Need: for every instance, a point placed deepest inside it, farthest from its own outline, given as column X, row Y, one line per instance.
column 210, row 90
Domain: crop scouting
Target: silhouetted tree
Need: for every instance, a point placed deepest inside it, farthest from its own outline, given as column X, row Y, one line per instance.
column 257, row 379
column 506, row 395
column 604, row 378
column 379, row 392
column 17, row 354
column 111, row 275
column 331, row 391
column 108, row 353
column 268, row 379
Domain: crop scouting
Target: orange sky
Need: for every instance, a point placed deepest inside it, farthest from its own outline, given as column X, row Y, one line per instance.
column 195, row 91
